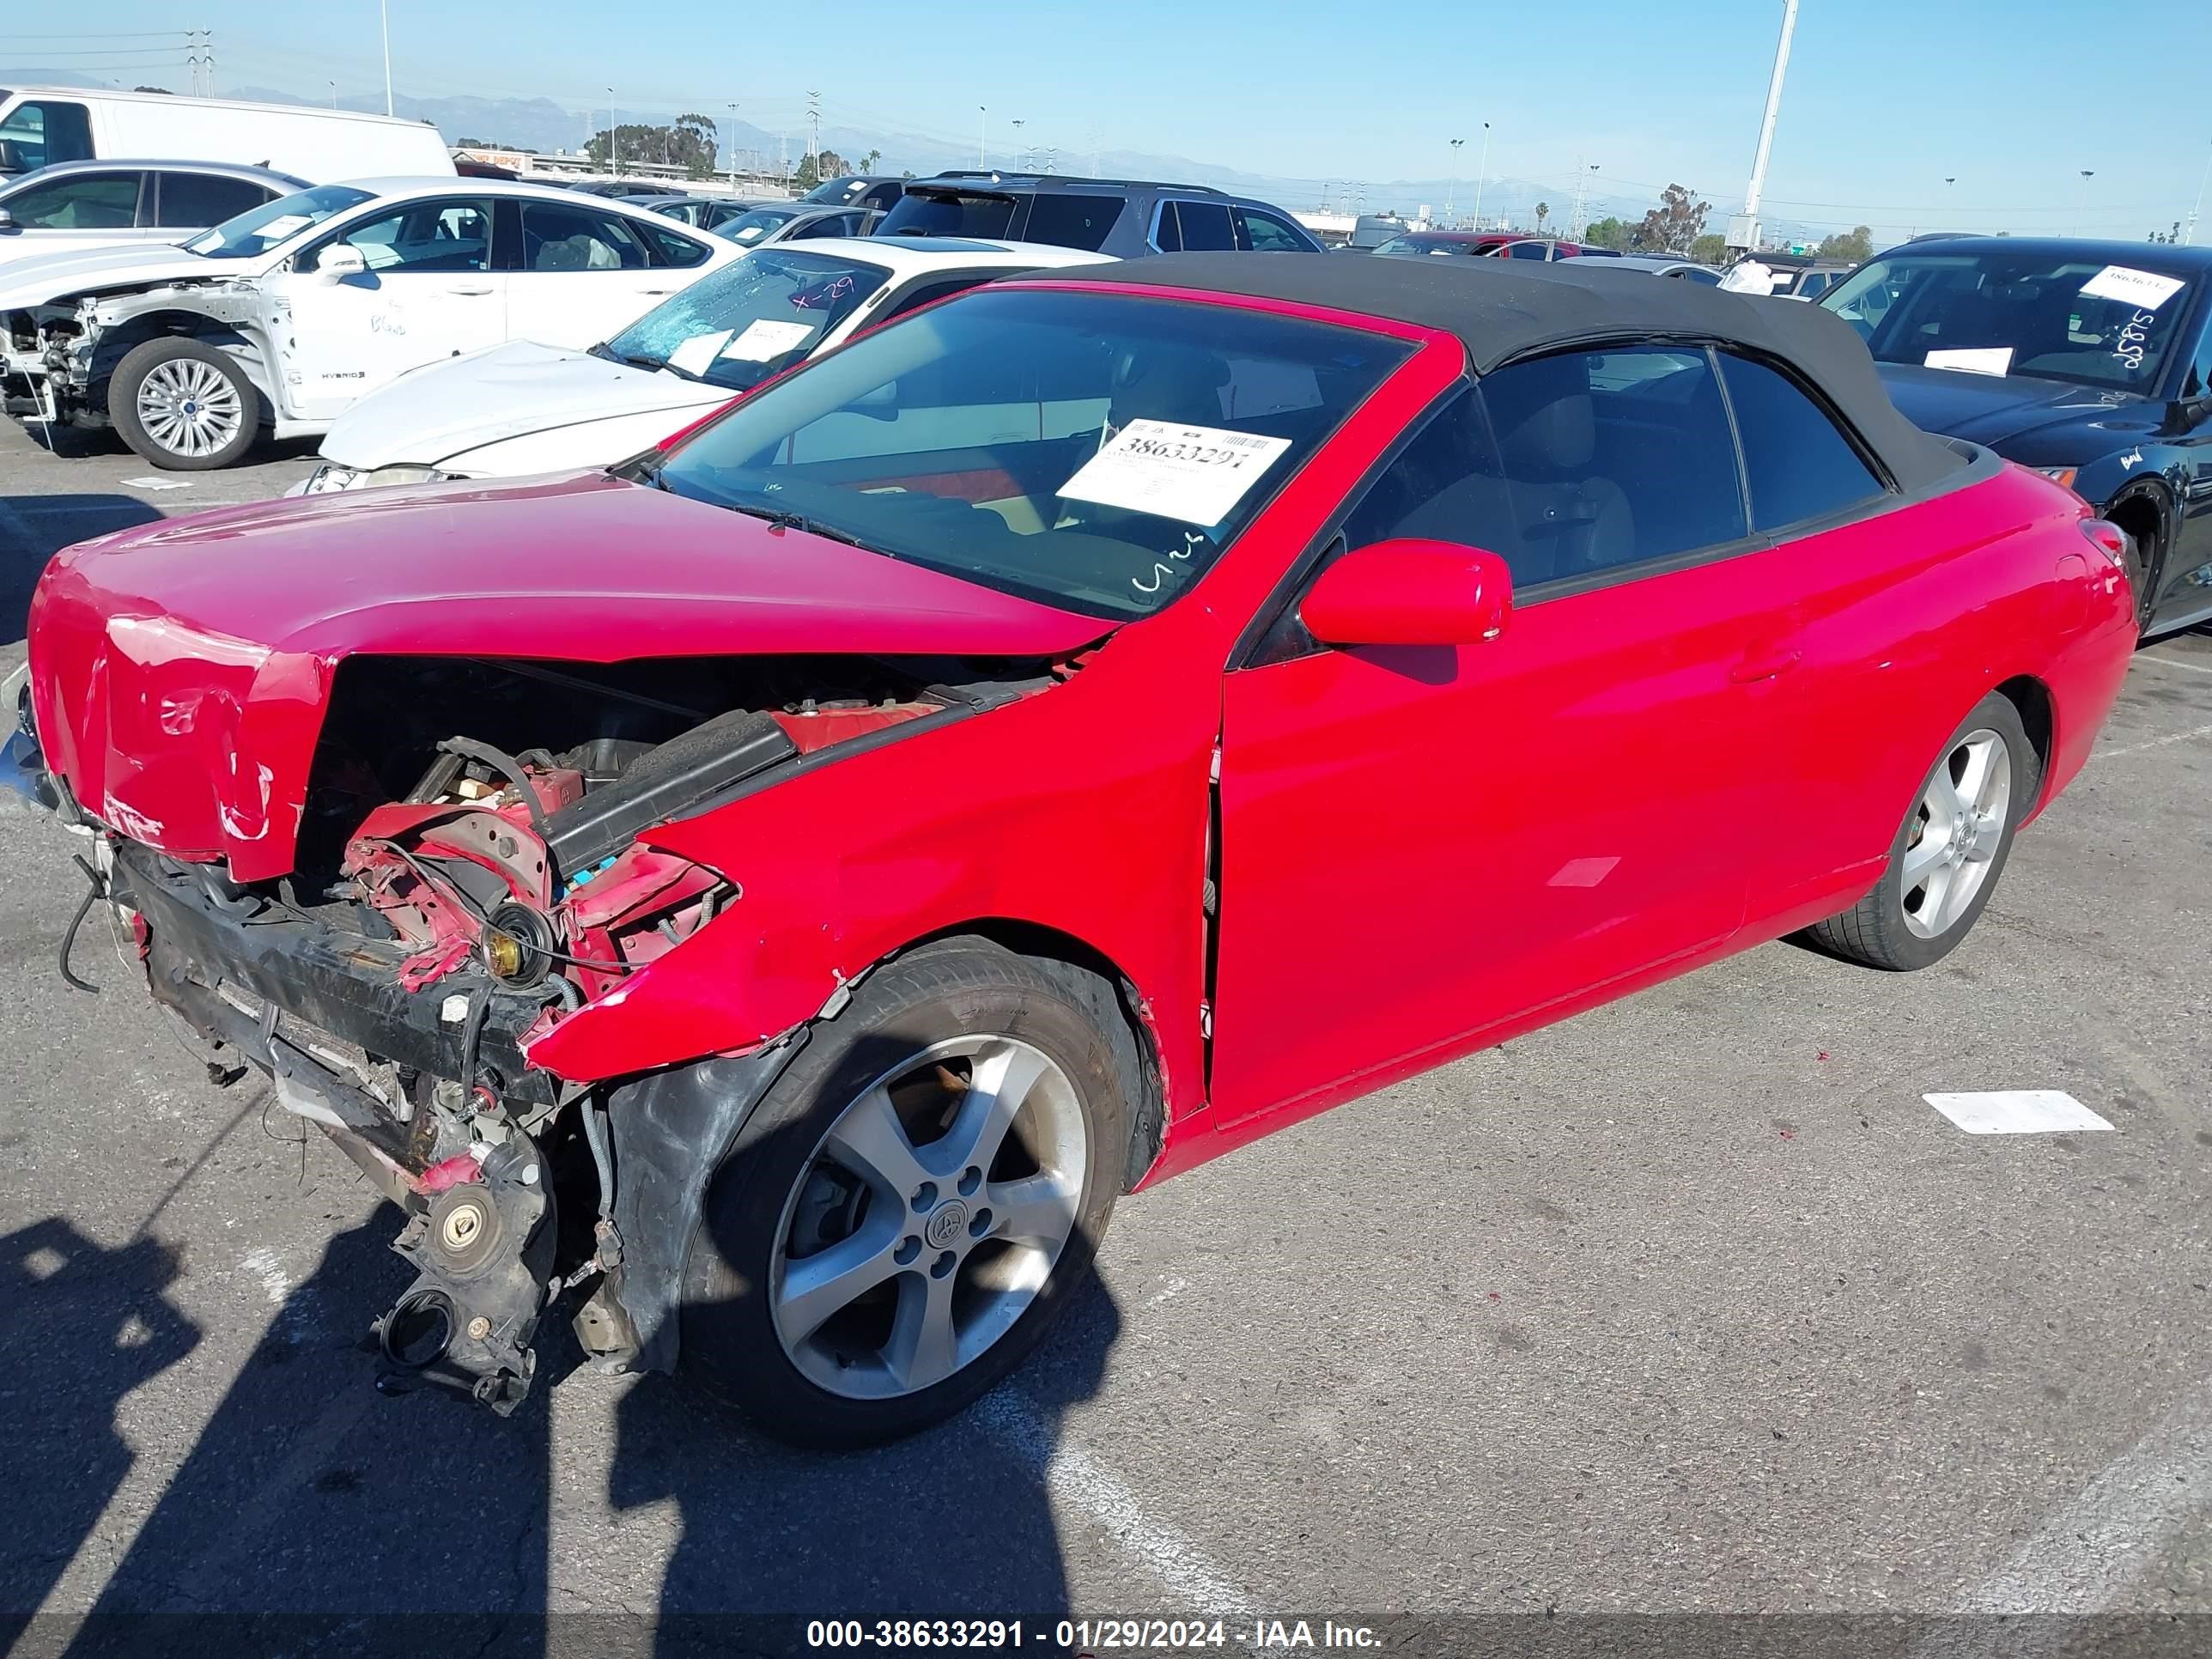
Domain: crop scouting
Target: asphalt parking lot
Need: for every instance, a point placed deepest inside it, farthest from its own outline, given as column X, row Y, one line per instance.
column 1689, row 1304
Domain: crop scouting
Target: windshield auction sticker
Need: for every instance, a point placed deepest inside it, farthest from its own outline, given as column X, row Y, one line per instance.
column 1975, row 359
column 766, row 340
column 696, row 354
column 2125, row 283
column 1196, row 474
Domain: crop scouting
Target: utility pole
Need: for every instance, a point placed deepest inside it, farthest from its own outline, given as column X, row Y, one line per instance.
column 1743, row 227
column 1481, row 170
column 1582, row 194
column 2189, row 236
column 814, row 124
column 1452, row 184
column 384, row 16
column 733, row 148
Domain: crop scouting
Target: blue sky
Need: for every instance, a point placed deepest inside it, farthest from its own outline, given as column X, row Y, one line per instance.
column 2011, row 98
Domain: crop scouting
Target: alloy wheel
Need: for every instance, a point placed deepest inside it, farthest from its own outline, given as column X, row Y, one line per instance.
column 1958, row 829
column 929, row 1217
column 189, row 407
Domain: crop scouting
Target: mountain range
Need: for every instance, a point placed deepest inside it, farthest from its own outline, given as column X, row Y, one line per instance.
column 541, row 124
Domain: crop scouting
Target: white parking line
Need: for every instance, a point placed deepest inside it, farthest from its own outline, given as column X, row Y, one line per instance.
column 2144, row 747
column 2175, row 662
column 1078, row 1479
column 2089, row 1552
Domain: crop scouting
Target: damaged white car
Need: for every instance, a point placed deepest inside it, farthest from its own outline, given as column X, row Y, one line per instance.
column 273, row 323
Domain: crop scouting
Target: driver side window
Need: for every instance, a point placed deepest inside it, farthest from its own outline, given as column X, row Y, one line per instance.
column 444, row 236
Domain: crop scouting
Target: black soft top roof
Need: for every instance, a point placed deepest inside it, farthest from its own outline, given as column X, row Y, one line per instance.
column 1503, row 310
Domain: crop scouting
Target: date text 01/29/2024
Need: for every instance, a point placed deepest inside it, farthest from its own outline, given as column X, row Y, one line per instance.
column 1087, row 1635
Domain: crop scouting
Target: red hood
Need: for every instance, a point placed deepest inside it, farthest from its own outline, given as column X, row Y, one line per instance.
column 180, row 670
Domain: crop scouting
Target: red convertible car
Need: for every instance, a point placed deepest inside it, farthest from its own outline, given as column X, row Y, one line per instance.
column 770, row 902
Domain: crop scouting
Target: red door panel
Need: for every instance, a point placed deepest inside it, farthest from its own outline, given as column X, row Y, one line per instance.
column 1421, row 843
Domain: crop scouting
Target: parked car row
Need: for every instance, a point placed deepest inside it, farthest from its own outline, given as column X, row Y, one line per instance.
column 768, row 900
column 278, row 320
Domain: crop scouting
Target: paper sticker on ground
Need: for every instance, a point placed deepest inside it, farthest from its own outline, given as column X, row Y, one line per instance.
column 2146, row 288
column 696, row 354
column 765, row 339
column 2017, row 1112
column 1194, row 473
column 1975, row 359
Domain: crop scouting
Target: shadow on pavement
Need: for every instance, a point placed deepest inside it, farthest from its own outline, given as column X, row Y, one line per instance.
column 33, row 528
column 88, row 1325
column 314, row 1514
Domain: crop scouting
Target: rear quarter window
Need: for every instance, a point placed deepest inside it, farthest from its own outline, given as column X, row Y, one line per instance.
column 1067, row 220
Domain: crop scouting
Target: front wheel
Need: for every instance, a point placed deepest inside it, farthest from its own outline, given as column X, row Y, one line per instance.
column 915, row 1201
column 1950, row 850
column 185, row 406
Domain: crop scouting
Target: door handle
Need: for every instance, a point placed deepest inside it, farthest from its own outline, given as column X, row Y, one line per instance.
column 656, row 293
column 1765, row 664
column 469, row 291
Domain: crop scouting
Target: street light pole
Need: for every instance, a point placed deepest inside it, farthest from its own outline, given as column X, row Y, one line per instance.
column 2087, row 174
column 982, row 130
column 384, row 15
column 612, row 130
column 733, row 150
column 2189, row 236
column 334, row 95
column 1743, row 229
column 1451, row 183
column 1481, row 170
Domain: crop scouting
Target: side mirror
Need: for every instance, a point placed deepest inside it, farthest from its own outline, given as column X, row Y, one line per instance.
column 339, row 261
column 7, row 220
column 1410, row 593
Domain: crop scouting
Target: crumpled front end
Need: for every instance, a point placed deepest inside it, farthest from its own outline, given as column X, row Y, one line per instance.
column 475, row 867
column 189, row 741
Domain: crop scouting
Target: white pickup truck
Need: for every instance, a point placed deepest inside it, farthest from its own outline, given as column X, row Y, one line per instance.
column 275, row 322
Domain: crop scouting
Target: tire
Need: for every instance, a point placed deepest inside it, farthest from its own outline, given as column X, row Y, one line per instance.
column 1908, row 921
column 852, row 1353
column 185, row 406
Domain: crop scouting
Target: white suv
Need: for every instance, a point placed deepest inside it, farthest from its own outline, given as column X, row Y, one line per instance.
column 278, row 320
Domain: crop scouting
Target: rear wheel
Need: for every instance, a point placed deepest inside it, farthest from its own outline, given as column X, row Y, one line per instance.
column 1950, row 850
column 912, row 1204
column 182, row 406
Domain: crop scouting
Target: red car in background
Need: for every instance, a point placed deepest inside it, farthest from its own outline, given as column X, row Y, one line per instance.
column 773, row 901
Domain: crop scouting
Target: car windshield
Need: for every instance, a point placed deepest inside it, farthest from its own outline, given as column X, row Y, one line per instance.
column 835, row 191
column 2007, row 311
column 751, row 319
column 1096, row 452
column 751, row 227
column 948, row 213
column 254, row 233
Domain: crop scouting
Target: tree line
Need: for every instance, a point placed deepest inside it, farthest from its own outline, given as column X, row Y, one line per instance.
column 1676, row 228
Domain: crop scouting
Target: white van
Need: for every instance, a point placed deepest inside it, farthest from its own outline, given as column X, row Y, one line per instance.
column 43, row 124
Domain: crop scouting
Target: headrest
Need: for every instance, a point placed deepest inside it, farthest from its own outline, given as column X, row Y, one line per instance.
column 1554, row 437
column 1543, row 415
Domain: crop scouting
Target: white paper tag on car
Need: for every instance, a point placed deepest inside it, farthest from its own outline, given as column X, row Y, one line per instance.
column 2146, row 288
column 764, row 339
column 1194, row 473
column 282, row 225
column 696, row 354
column 1975, row 359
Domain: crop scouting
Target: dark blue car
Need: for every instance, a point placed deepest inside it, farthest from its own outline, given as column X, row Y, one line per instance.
column 2090, row 361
